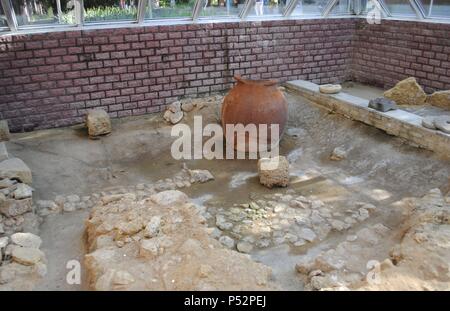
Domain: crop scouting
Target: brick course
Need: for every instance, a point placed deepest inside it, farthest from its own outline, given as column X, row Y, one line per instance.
column 51, row 79
column 394, row 50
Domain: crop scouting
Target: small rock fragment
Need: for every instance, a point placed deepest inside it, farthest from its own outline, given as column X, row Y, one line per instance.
column 15, row 168
column 98, row 122
column 4, row 130
column 26, row 239
column 226, row 241
column 338, row 154
column 244, row 247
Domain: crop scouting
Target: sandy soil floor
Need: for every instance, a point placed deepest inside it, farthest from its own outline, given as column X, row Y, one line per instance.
column 379, row 169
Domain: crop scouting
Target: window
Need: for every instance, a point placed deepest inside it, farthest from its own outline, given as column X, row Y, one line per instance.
column 110, row 10
column 341, row 7
column 400, row 7
column 437, row 8
column 157, row 9
column 268, row 8
column 3, row 22
column 212, row 8
column 42, row 12
column 309, row 7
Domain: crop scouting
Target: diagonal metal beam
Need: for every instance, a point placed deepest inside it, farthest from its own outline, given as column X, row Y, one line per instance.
column 418, row 8
column 248, row 5
column 327, row 9
column 197, row 9
column 79, row 12
column 142, row 6
column 9, row 14
column 290, row 7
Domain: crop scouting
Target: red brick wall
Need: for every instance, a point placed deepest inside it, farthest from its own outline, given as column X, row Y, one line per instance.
column 387, row 53
column 51, row 79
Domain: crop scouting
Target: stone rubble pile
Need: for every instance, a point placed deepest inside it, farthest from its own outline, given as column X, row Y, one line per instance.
column 22, row 263
column 375, row 259
column 162, row 243
column 185, row 178
column 409, row 92
column 176, row 111
column 281, row 219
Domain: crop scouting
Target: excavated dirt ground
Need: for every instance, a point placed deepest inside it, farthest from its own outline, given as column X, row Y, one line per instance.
column 379, row 170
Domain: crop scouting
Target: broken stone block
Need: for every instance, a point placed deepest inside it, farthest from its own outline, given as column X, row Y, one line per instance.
column 3, row 152
column 338, row 154
column 187, row 106
column 98, row 122
column 4, row 130
column 15, row 168
column 26, row 239
column 274, row 171
column 330, row 88
column 173, row 117
column 440, row 99
column 244, row 247
column 407, row 92
column 169, row 197
column 382, row 104
column 27, row 256
column 442, row 124
column 12, row 208
column 23, row 191
column 428, row 122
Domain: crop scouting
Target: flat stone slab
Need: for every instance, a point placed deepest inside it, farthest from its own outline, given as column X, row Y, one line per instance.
column 442, row 124
column 330, row 88
column 397, row 122
column 428, row 122
column 15, row 168
column 382, row 104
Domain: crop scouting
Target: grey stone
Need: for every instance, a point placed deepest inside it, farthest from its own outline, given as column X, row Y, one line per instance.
column 339, row 153
column 442, row 124
column 382, row 104
column 153, row 227
column 169, row 197
column 15, row 168
column 73, row 198
column 6, row 183
column 3, row 243
column 200, row 176
column 4, row 130
column 244, row 247
column 3, row 152
column 226, row 241
column 307, row 234
column 428, row 122
column 26, row 239
column 22, row 191
column 12, row 208
column 330, row 88
column 274, row 171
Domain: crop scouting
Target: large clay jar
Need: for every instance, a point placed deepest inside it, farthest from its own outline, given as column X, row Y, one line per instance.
column 255, row 102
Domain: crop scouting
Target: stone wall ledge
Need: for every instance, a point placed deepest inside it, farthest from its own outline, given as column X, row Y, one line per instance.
column 395, row 122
